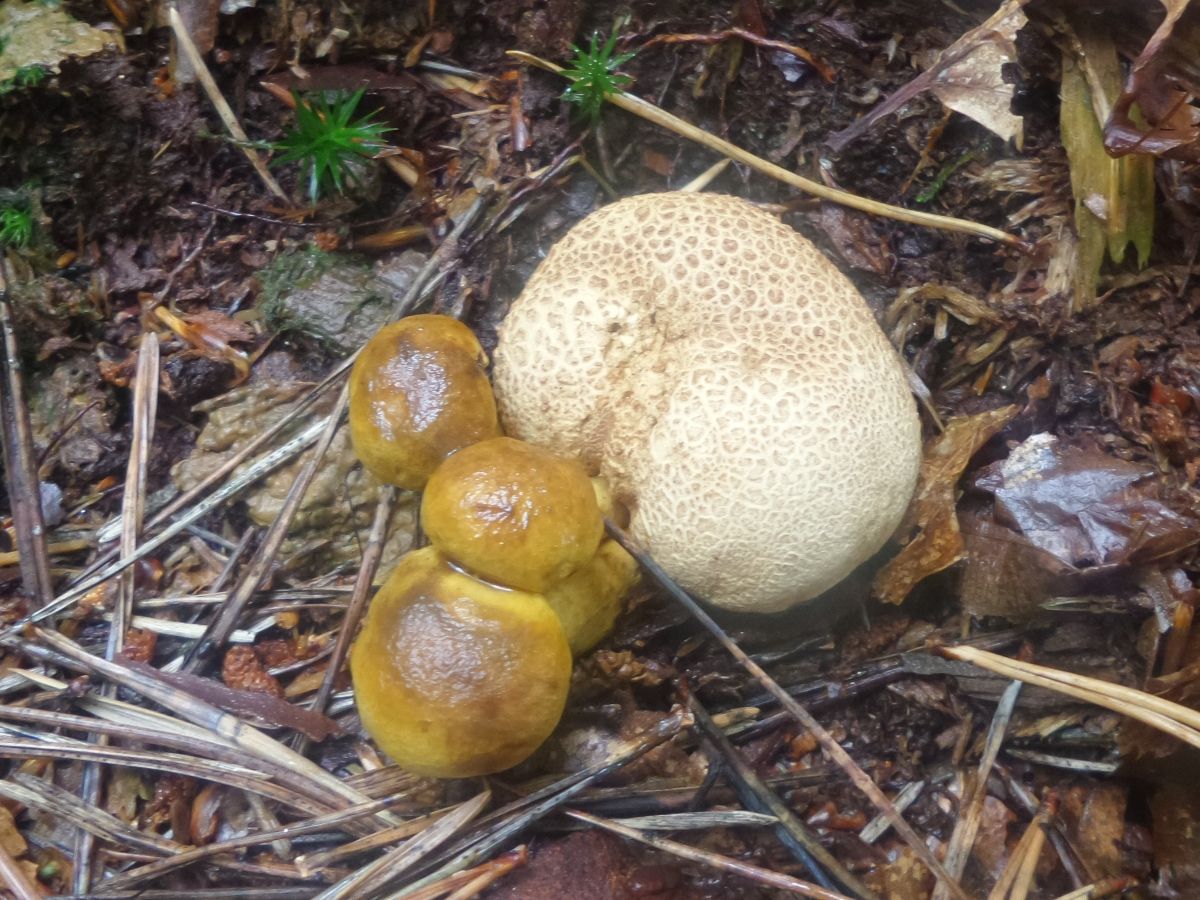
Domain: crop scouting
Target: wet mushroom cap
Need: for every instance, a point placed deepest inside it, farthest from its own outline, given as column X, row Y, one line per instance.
column 418, row 392
column 454, row 677
column 513, row 513
column 729, row 382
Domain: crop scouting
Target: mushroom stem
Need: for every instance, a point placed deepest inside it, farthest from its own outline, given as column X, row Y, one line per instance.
column 832, row 748
column 661, row 117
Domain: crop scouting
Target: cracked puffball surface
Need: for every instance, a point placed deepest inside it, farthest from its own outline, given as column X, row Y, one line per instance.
column 729, row 382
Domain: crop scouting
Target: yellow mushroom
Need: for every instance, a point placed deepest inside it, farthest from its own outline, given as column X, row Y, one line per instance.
column 418, row 392
column 454, row 677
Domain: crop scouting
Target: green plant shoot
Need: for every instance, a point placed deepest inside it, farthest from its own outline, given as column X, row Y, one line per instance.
column 594, row 76
column 16, row 226
column 327, row 138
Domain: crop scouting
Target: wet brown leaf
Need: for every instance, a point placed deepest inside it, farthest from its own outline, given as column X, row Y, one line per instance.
column 1170, row 124
column 1005, row 574
column 1085, row 507
column 938, row 543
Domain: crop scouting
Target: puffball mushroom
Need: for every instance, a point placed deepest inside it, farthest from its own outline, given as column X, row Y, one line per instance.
column 454, row 677
column 418, row 392
column 729, row 382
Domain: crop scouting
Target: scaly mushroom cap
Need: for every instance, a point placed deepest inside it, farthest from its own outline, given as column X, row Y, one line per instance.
column 730, row 383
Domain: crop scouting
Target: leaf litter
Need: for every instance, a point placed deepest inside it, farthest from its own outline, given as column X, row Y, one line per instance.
column 1057, row 500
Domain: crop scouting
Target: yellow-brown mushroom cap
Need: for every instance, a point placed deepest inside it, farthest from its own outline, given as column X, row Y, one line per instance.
column 454, row 677
column 418, row 392
column 513, row 513
column 730, row 383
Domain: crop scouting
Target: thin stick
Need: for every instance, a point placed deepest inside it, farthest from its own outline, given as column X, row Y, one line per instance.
column 156, row 870
column 967, row 826
column 20, row 462
column 757, row 873
column 367, row 880
column 1013, row 883
column 701, row 181
column 758, row 797
column 358, row 600
column 260, row 468
column 1105, row 888
column 218, row 101
column 661, row 117
column 322, row 785
column 1176, row 720
column 832, row 748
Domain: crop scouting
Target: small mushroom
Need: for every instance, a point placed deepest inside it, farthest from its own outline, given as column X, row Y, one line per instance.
column 419, row 392
column 729, row 382
column 512, row 513
column 454, row 677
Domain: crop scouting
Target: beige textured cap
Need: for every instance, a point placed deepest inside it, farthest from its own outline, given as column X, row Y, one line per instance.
column 730, row 383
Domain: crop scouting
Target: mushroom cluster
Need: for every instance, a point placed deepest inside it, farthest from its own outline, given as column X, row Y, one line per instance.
column 729, row 382
column 464, row 660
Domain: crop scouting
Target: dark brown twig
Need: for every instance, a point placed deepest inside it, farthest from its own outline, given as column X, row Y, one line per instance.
column 718, row 37
column 832, row 748
column 757, row 797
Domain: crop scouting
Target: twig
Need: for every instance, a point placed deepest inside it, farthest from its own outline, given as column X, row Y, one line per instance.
column 321, row 785
column 370, row 878
column 661, row 117
column 218, row 101
column 971, row 809
column 1176, row 720
column 717, row 37
column 358, row 600
column 755, row 873
column 156, row 870
column 878, row 826
column 756, row 796
column 20, row 462
column 133, row 504
column 1105, row 888
column 260, row 468
column 832, row 748
column 498, row 867
column 1075, row 867
column 1017, row 876
column 705, row 178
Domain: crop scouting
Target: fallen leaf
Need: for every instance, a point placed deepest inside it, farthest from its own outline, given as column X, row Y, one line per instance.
column 968, row 76
column 1169, row 124
column 1094, row 815
column 1085, row 507
column 938, row 543
column 1004, row 574
column 1176, row 815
